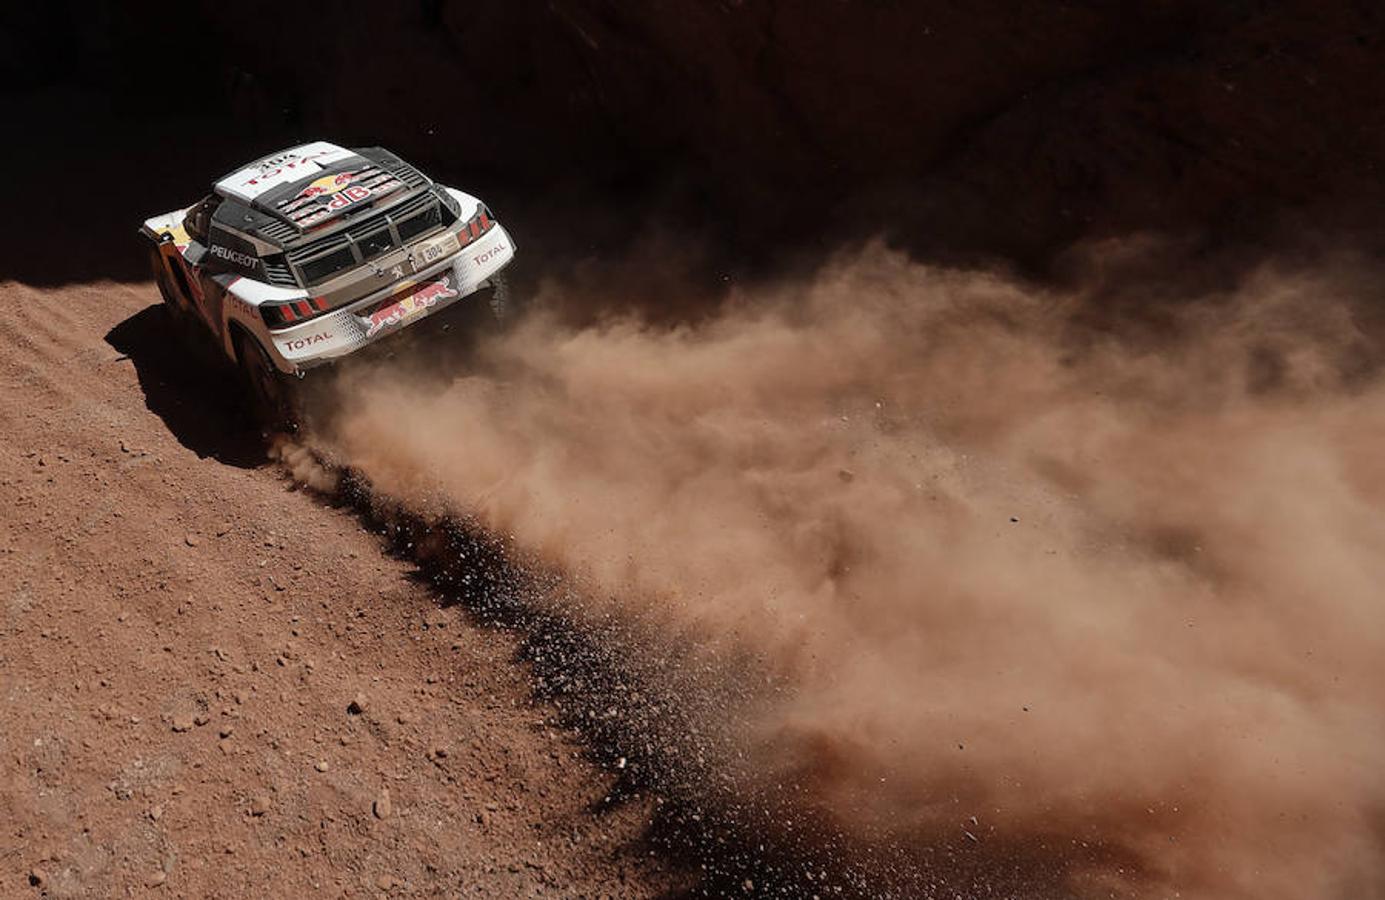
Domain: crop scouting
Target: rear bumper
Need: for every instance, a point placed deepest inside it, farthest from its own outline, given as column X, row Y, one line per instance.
column 347, row 330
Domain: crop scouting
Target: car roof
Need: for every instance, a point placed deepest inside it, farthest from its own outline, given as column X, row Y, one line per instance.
column 281, row 168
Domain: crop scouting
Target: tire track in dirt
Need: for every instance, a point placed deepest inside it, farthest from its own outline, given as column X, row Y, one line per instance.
column 183, row 632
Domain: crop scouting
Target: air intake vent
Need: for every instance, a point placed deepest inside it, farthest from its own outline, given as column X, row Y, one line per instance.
column 278, row 230
column 408, row 174
column 276, row 271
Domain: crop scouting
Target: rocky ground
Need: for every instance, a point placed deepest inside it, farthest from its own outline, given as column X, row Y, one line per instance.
column 213, row 684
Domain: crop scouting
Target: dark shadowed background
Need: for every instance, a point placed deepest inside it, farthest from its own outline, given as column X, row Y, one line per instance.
column 997, row 128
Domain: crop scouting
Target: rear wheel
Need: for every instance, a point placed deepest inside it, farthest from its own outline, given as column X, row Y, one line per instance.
column 167, row 289
column 465, row 325
column 501, row 301
column 275, row 398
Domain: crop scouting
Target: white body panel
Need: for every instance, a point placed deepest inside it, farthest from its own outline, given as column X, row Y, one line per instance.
column 281, row 168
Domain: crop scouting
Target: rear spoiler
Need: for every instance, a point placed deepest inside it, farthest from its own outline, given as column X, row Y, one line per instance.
column 155, row 237
column 167, row 227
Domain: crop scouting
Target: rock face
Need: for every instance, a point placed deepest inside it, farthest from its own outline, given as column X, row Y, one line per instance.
column 995, row 125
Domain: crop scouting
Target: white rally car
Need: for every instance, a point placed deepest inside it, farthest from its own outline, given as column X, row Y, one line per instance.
column 315, row 252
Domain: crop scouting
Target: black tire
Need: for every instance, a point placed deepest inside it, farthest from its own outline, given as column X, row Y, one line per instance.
column 465, row 325
column 167, row 290
column 275, row 399
column 502, row 301
column 492, row 308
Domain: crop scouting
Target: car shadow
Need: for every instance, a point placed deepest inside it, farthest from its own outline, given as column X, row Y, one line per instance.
column 195, row 393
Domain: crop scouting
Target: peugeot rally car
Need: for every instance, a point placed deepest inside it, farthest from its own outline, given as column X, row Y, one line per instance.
column 318, row 251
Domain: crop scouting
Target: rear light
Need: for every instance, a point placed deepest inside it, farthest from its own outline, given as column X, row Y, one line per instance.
column 282, row 313
column 476, row 226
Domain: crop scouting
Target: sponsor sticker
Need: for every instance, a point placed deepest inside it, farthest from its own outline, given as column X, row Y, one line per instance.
column 323, row 197
column 334, row 203
column 240, row 259
column 487, row 255
column 178, row 233
column 412, row 306
column 303, row 343
column 276, row 165
column 325, row 185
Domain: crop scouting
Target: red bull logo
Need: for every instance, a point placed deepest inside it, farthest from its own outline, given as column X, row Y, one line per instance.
column 324, row 197
column 326, row 185
column 413, row 305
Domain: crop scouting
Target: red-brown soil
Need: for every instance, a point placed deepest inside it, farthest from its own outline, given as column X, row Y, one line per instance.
column 182, row 633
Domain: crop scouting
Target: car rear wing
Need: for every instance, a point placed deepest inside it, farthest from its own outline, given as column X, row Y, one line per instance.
column 167, row 227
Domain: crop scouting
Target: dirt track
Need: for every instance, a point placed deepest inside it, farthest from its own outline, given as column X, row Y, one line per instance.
column 182, row 633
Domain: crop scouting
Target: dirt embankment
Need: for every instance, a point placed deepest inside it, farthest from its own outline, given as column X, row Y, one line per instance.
column 183, row 635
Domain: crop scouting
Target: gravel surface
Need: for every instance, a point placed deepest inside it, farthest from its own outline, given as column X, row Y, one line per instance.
column 212, row 684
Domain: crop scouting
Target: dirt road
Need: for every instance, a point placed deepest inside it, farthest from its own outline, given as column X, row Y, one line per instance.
column 211, row 684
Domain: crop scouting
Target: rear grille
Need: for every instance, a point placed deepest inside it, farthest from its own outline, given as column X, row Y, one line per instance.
column 402, row 211
column 419, row 205
column 324, row 245
column 364, row 226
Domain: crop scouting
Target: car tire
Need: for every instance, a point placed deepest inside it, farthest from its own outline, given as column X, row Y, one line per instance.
column 501, row 299
column 166, row 288
column 275, row 399
column 489, row 311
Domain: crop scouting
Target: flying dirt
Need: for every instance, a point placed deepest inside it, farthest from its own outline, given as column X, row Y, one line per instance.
column 1030, row 594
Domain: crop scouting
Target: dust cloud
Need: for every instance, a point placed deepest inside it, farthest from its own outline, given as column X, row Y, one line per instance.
column 1001, row 571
